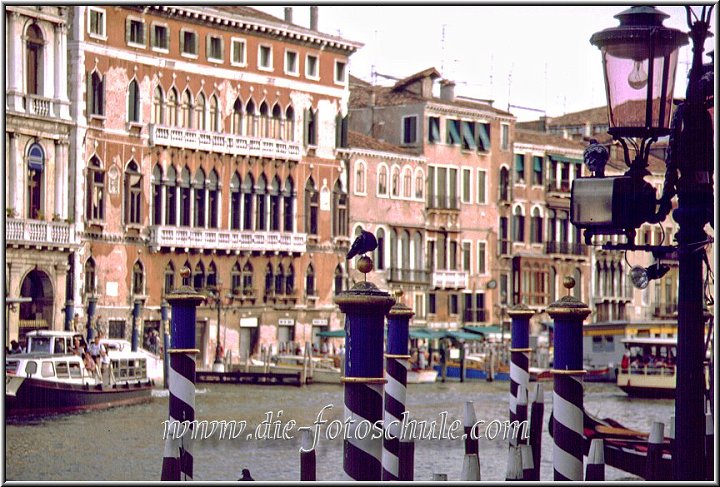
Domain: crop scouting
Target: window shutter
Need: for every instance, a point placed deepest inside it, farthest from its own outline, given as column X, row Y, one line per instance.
column 338, row 130
column 182, row 41
column 101, row 105
column 89, row 95
column 127, row 30
column 208, row 47
column 153, row 37
column 306, row 126
column 484, row 137
column 344, row 131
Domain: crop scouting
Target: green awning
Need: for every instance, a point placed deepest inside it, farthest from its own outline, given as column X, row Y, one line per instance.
column 484, row 330
column 559, row 158
column 463, row 335
column 424, row 333
column 332, row 334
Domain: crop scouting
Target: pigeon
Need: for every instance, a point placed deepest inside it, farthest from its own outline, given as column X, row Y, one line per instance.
column 246, row 475
column 365, row 242
column 596, row 156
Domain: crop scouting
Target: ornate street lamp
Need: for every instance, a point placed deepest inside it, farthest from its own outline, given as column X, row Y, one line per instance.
column 639, row 60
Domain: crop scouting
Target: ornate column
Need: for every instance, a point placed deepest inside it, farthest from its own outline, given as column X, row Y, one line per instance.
column 61, row 103
column 12, row 166
column 14, row 63
column 60, row 187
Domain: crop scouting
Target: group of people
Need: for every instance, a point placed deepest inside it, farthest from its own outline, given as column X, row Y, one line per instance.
column 95, row 356
column 647, row 360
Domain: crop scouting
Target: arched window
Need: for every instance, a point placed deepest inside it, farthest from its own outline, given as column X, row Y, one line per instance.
column 261, row 199
column 138, row 278
column 275, row 131
column 536, row 226
column 95, row 190
column 395, row 181
column 158, row 101
column 418, row 252
column 171, row 197
column 250, row 118
column 551, row 226
column 312, row 202
column 404, row 259
column 157, row 196
column 213, row 200
column 504, row 184
column 237, row 118
column 34, row 72
column 339, row 279
column 90, row 282
column 382, row 181
column 340, row 215
column 133, row 102
column 247, row 189
column 35, row 181
column 563, row 226
column 199, row 191
column 186, row 280
column 288, row 205
column 275, row 205
column 236, row 279
column 172, row 98
column 169, row 277
column 247, row 278
column 380, row 251
column 310, row 281
column 264, row 120
column 407, row 182
column 290, row 124
column 518, row 225
column 185, row 197
column 186, row 110
column 311, row 126
column 279, row 280
column 269, row 280
column 215, row 125
column 360, row 177
column 200, row 112
column 419, row 183
column 290, row 280
column 199, row 276
column 212, row 276
column 133, row 194
column 235, row 202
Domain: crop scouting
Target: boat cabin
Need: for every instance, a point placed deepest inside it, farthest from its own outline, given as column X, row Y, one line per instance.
column 52, row 341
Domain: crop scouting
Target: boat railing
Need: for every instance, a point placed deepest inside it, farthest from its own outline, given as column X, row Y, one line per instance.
column 664, row 370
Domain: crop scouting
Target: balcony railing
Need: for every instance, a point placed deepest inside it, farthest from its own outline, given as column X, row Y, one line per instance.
column 39, row 232
column 228, row 240
column 475, row 315
column 38, row 105
column 443, row 202
column 236, row 145
column 395, row 274
column 449, row 279
column 565, row 248
column 558, row 187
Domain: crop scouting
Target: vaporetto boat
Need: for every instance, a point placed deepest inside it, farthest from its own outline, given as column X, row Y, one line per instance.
column 49, row 378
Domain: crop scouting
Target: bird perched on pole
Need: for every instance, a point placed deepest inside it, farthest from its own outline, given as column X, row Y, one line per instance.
column 246, row 475
column 596, row 155
column 364, row 243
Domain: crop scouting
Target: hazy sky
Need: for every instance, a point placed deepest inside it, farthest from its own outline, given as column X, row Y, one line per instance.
column 538, row 57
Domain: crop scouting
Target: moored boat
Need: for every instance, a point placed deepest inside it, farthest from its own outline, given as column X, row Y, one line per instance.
column 50, row 379
column 648, row 368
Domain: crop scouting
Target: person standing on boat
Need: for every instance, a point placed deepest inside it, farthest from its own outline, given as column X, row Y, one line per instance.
column 95, row 348
column 14, row 347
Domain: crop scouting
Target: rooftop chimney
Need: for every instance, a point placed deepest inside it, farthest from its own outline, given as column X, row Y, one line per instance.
column 288, row 15
column 447, row 90
column 314, row 17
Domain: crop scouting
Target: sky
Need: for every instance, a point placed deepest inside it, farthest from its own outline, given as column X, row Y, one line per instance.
column 531, row 56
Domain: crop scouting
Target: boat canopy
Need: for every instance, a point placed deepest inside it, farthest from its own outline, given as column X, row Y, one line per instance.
column 484, row 330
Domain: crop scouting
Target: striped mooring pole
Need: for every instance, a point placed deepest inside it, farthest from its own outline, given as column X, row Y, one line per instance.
column 165, row 316
column 568, row 314
column 396, row 366
column 365, row 307
column 595, row 468
column 520, row 315
column 471, row 460
column 308, row 458
column 177, row 457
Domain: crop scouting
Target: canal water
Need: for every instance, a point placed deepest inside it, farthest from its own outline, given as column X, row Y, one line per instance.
column 125, row 443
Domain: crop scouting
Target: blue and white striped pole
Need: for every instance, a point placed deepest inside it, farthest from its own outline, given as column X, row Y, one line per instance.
column 520, row 315
column 165, row 316
column 135, row 318
column 568, row 314
column 178, row 457
column 396, row 366
column 365, row 307
column 471, row 460
column 91, row 306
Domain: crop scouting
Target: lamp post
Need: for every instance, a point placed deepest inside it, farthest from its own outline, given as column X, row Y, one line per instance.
column 639, row 60
column 218, row 365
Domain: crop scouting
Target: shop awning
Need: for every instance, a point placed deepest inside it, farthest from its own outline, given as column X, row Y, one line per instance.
column 332, row 334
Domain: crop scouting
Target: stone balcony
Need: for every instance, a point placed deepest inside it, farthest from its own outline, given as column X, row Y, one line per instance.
column 225, row 240
column 39, row 234
column 236, row 145
column 449, row 279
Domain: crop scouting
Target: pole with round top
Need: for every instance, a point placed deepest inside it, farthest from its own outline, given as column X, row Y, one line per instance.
column 396, row 366
column 520, row 315
column 365, row 307
column 135, row 325
column 568, row 314
column 69, row 311
column 91, row 306
column 177, row 457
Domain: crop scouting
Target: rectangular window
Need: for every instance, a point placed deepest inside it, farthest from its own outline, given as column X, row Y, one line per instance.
column 481, row 190
column 431, row 304
column 96, row 22
column 453, row 131
column 135, row 32
column 291, row 63
column 214, row 48
column 188, row 43
column 481, row 257
column 466, row 192
column 519, row 168
column 160, row 38
column 433, row 129
column 409, row 135
column 483, row 134
column 468, row 135
column 466, row 256
column 505, row 136
column 312, row 66
column 238, row 52
column 419, row 307
column 537, row 170
column 340, row 72
column 453, row 304
column 265, row 61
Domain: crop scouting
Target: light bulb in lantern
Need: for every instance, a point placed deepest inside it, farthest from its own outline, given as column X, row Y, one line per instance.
column 638, row 78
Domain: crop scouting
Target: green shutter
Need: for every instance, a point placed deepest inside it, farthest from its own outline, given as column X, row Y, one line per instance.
column 454, row 136
column 127, row 30
column 434, row 129
column 182, row 41
column 484, row 137
column 468, row 137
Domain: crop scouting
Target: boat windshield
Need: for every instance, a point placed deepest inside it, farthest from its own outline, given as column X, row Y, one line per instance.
column 651, row 355
column 39, row 344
